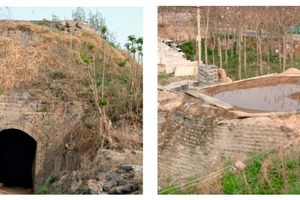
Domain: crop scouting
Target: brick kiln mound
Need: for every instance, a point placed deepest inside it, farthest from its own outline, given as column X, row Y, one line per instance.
column 53, row 65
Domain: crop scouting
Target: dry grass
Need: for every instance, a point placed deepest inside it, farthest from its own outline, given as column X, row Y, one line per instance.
column 14, row 69
column 31, row 54
column 26, row 48
column 95, row 158
column 51, row 64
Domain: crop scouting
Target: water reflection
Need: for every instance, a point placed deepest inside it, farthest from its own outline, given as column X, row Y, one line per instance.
column 280, row 97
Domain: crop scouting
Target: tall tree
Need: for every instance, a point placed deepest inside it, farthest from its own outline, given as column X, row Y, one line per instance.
column 206, row 34
column 135, row 45
column 140, row 42
column 285, row 20
column 199, row 47
column 103, row 29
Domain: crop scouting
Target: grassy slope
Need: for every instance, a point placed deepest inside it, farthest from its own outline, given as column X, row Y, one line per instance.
column 35, row 55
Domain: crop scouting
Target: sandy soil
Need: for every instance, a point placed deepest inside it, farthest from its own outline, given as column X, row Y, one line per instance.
column 15, row 190
column 295, row 96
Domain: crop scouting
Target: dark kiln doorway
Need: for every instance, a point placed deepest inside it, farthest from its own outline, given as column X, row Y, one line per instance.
column 17, row 155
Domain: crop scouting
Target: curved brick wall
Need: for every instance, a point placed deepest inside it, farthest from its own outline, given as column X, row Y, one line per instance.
column 198, row 143
column 40, row 121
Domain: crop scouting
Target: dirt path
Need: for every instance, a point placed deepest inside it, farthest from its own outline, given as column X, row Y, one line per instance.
column 15, row 190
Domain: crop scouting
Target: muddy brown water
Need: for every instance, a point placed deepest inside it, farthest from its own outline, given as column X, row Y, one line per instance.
column 271, row 98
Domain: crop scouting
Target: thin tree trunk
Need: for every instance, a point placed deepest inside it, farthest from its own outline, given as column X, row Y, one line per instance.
column 206, row 32
column 284, row 53
column 268, row 57
column 291, row 52
column 226, row 47
column 240, row 54
column 103, row 73
column 257, row 51
column 214, row 48
column 233, row 44
column 220, row 52
column 260, row 57
column 199, row 35
column 279, row 54
column 245, row 55
column 269, row 52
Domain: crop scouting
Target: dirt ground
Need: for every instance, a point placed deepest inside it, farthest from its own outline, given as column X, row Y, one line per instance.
column 16, row 190
column 295, row 96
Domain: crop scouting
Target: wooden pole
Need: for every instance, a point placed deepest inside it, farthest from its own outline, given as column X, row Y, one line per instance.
column 220, row 52
column 199, row 35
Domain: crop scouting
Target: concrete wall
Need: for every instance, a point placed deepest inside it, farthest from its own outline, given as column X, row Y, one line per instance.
column 187, row 70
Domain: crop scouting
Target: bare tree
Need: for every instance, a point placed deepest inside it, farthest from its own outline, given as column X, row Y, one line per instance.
column 79, row 14
column 220, row 52
column 206, row 34
column 239, row 22
column 285, row 20
column 199, row 35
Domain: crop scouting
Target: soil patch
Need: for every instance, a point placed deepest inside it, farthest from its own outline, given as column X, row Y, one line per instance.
column 295, row 96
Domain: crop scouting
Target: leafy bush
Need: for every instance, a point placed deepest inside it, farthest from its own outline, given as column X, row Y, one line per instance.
column 53, row 179
column 86, row 59
column 103, row 102
column 122, row 63
column 42, row 189
column 58, row 75
column 189, row 49
column 90, row 46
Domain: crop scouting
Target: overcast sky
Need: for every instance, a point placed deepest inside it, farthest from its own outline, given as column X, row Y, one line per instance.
column 123, row 21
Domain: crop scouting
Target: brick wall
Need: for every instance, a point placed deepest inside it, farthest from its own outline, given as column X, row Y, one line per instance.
column 200, row 143
column 42, row 122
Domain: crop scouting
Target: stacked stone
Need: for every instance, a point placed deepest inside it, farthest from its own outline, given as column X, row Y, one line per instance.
column 207, row 75
column 181, row 86
column 177, row 87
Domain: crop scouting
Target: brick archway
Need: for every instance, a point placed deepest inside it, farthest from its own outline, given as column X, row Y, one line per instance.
column 17, row 157
column 39, row 137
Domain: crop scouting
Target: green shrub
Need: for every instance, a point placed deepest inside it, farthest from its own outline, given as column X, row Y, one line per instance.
column 123, row 81
column 86, row 59
column 170, row 190
column 103, row 102
column 58, row 75
column 189, row 49
column 90, row 46
column 122, row 63
column 53, row 179
column 42, row 189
